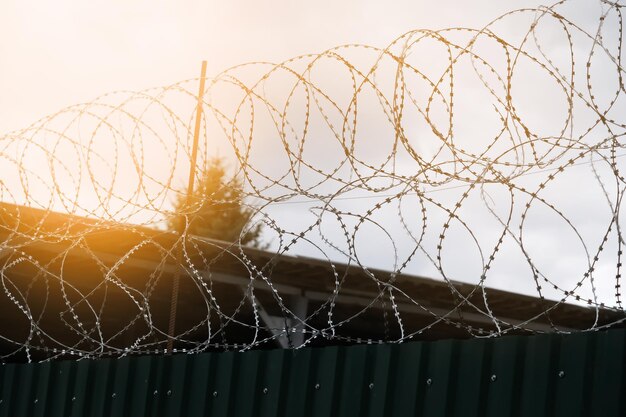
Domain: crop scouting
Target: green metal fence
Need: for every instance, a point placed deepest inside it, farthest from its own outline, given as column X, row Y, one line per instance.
column 546, row 375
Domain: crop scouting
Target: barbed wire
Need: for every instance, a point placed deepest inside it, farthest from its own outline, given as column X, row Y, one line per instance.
column 452, row 153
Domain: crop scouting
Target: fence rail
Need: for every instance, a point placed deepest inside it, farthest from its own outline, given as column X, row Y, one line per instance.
column 544, row 375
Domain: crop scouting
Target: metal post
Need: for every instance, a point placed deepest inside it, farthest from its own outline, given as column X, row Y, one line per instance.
column 192, row 171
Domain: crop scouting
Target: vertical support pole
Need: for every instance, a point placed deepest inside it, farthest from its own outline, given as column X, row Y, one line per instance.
column 196, row 132
column 190, row 184
column 299, row 306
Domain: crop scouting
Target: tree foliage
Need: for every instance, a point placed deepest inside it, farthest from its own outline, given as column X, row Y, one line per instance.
column 216, row 209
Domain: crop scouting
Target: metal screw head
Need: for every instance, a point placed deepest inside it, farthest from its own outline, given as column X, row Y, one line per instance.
column 429, row 382
column 265, row 390
column 215, row 393
column 561, row 374
column 494, row 378
column 371, row 385
column 169, row 392
column 317, row 386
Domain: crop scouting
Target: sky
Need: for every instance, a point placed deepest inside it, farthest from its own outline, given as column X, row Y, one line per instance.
column 56, row 54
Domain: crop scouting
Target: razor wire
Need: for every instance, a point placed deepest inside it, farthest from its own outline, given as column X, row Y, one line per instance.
column 442, row 143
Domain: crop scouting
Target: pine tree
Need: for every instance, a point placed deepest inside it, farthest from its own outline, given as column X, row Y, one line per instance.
column 216, row 209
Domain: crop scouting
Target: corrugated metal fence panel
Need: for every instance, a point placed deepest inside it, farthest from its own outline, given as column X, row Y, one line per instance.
column 547, row 375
